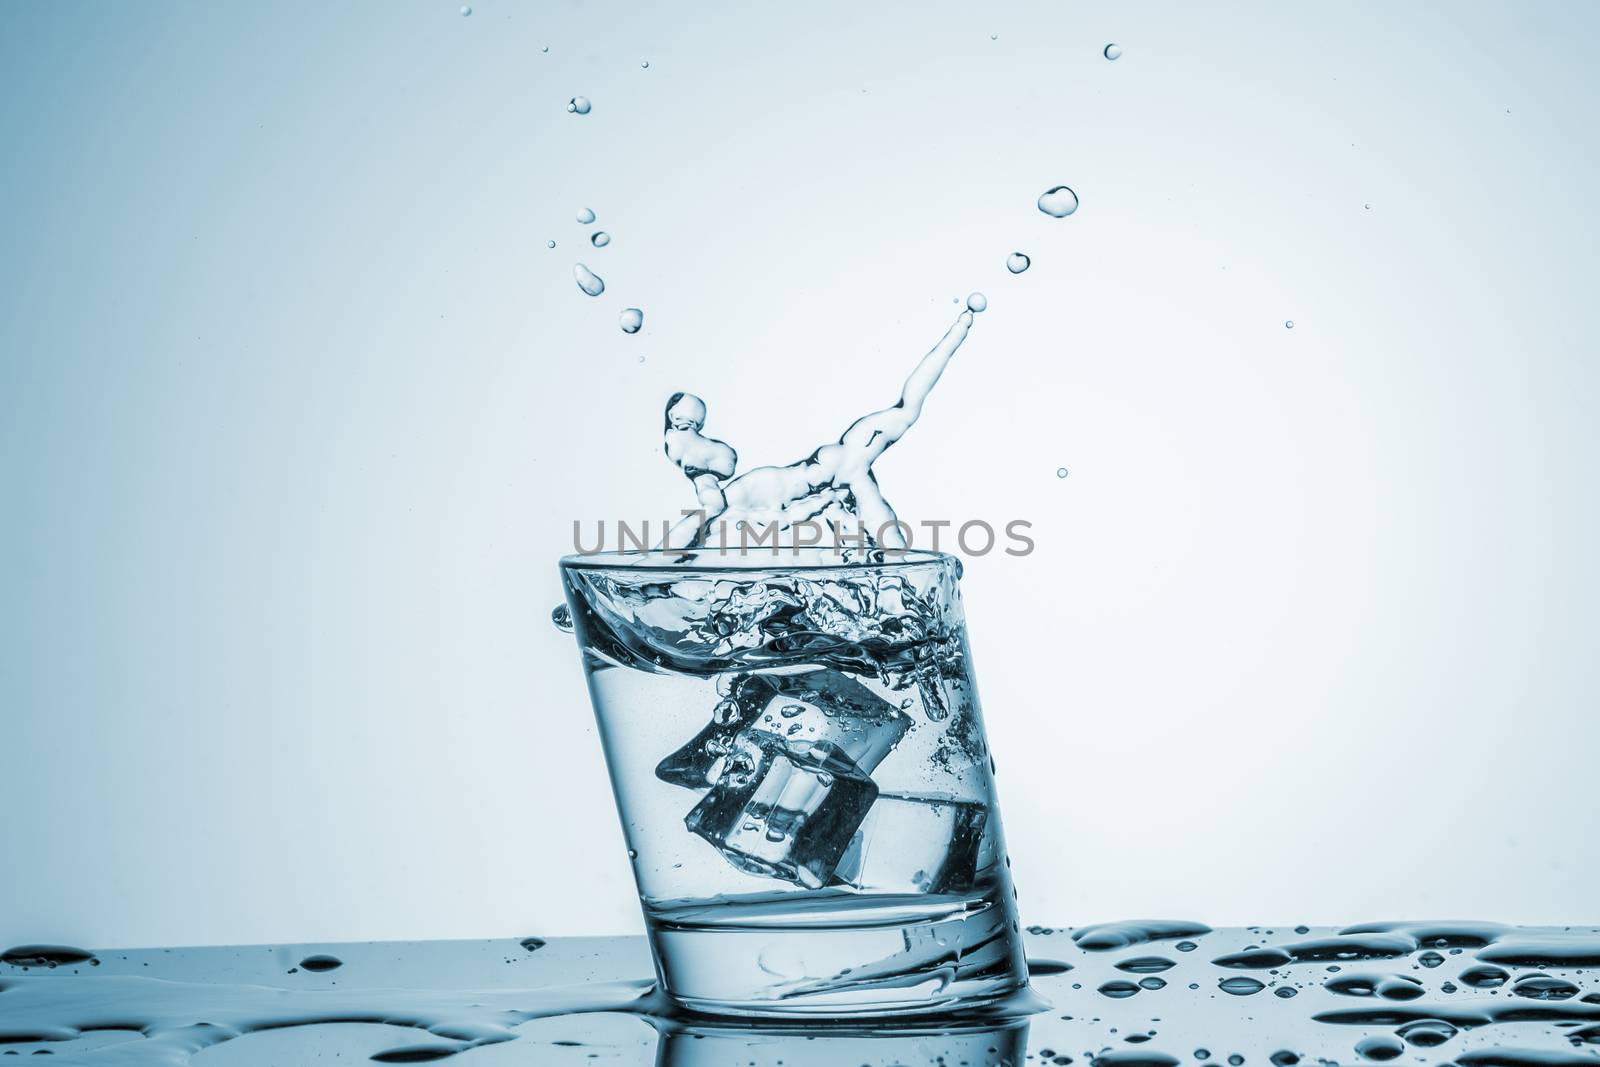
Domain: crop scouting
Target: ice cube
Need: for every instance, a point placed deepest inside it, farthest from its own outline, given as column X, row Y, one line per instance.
column 826, row 706
column 784, row 811
column 910, row 844
column 803, row 709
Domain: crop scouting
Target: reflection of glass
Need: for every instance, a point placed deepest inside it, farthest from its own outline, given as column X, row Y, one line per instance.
column 831, row 1046
column 799, row 760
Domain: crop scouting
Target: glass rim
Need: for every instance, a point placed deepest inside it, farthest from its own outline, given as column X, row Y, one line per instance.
column 745, row 560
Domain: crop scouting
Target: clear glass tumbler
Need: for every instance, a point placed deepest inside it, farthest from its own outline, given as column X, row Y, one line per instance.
column 804, row 782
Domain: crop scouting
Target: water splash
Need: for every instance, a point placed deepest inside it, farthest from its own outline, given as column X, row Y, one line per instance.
column 631, row 320
column 1058, row 201
column 588, row 280
column 834, row 483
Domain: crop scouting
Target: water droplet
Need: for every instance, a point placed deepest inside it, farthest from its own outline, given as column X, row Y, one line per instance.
column 1426, row 1033
column 465, row 10
column 1202, row 1054
column 532, row 944
column 1152, row 982
column 561, row 615
column 1430, row 959
column 600, row 239
column 1485, row 977
column 630, row 320
column 588, row 280
column 1284, row 1058
column 1016, row 262
column 1235, row 1059
column 45, row 956
column 321, row 963
column 1289, row 325
column 1367, row 207
column 1061, row 472
column 645, row 65
column 977, row 302
column 1181, row 946
column 546, row 48
column 1285, row 992
column 1543, row 987
column 1113, row 51
column 994, row 37
column 549, row 244
column 586, row 215
column 579, row 105
column 1058, row 202
column 1240, row 985
column 1380, row 1048
column 1118, row 989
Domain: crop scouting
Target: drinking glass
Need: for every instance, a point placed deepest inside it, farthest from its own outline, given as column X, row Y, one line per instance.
column 805, row 787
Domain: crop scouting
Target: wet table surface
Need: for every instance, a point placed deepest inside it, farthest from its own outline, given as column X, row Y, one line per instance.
column 1156, row 993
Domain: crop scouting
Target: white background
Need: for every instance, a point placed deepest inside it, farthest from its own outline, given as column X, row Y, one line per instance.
column 297, row 410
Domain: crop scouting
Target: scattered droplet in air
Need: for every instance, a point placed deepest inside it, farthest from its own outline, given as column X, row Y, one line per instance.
column 994, row 37
column 1061, row 472
column 1058, row 202
column 588, row 280
column 585, row 216
column 549, row 244
column 1289, row 325
column 600, row 239
column 465, row 10
column 1113, row 51
column 1016, row 262
column 561, row 615
column 579, row 105
column 977, row 302
column 1367, row 206
column 546, row 48
column 631, row 319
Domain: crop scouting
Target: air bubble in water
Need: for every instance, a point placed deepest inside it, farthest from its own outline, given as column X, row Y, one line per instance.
column 561, row 615
column 586, row 215
column 1113, row 51
column 977, row 302
column 631, row 319
column 600, row 239
column 588, row 280
column 1058, row 202
column 1016, row 262
column 579, row 105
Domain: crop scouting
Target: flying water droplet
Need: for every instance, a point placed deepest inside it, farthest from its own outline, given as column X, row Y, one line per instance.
column 1058, row 202
column 586, row 215
column 1113, row 51
column 588, row 280
column 645, row 65
column 600, row 239
column 631, row 320
column 579, row 105
column 977, row 302
column 1016, row 262
column 1061, row 472
column 561, row 615
column 1289, row 325
column 546, row 48
column 465, row 10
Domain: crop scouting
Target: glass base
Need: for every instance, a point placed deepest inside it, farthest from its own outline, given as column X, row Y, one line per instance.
column 826, row 955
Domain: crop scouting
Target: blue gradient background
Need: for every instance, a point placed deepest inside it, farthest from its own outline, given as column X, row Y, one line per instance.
column 296, row 411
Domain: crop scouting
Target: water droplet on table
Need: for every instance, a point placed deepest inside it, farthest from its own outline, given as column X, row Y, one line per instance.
column 1016, row 262
column 1240, row 986
column 1058, row 202
column 588, row 280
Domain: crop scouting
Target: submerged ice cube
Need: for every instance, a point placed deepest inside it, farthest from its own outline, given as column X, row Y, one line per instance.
column 910, row 844
column 802, row 709
column 824, row 705
column 784, row 811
